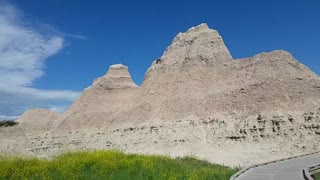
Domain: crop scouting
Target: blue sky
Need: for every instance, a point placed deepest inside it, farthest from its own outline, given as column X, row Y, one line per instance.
column 51, row 50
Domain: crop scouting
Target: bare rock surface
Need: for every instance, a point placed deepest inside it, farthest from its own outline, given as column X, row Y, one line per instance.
column 96, row 106
column 14, row 141
column 195, row 100
column 207, row 81
column 198, row 47
column 37, row 120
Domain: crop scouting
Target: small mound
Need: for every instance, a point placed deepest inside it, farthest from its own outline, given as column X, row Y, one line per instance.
column 37, row 120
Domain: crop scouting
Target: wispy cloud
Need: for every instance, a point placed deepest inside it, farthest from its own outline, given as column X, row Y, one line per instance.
column 75, row 36
column 23, row 52
column 6, row 118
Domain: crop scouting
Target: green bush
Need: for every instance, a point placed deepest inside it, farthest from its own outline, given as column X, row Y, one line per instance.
column 7, row 123
column 111, row 165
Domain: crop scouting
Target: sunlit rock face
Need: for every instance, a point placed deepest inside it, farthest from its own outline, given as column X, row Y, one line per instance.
column 195, row 99
column 99, row 102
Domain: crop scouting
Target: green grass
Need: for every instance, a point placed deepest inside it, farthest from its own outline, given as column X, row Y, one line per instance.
column 7, row 123
column 110, row 165
column 316, row 177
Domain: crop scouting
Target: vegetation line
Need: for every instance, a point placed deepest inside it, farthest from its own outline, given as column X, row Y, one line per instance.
column 111, row 165
column 7, row 123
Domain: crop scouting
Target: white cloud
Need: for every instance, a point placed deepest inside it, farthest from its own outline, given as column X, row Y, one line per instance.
column 22, row 49
column 59, row 109
column 23, row 52
column 5, row 118
column 76, row 36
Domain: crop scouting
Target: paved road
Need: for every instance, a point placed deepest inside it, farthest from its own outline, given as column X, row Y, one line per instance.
column 284, row 170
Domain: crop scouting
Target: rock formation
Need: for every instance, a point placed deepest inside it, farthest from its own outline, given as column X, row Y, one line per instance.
column 195, row 99
column 198, row 47
column 196, row 77
column 96, row 106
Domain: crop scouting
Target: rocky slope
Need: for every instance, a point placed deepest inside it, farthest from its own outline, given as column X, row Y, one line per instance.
column 96, row 106
column 37, row 120
column 195, row 99
column 196, row 77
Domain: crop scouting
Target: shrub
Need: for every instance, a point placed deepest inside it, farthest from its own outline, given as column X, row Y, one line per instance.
column 8, row 123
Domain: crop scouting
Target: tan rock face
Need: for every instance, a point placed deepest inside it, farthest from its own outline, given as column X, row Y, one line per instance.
column 117, row 77
column 194, row 99
column 205, row 80
column 37, row 120
column 198, row 47
column 96, row 106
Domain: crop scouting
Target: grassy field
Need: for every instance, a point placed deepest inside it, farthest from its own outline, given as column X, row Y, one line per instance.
column 317, row 176
column 110, row 165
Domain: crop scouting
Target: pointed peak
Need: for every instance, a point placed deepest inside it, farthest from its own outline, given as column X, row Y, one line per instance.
column 201, row 27
column 117, row 77
column 118, row 66
column 200, row 46
column 200, row 31
column 118, row 70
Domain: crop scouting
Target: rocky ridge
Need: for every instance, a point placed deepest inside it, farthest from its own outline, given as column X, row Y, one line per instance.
column 195, row 99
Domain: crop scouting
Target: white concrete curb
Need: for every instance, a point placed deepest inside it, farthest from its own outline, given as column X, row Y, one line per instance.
column 310, row 171
column 235, row 176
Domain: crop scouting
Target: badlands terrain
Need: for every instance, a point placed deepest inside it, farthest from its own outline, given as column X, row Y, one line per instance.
column 195, row 100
